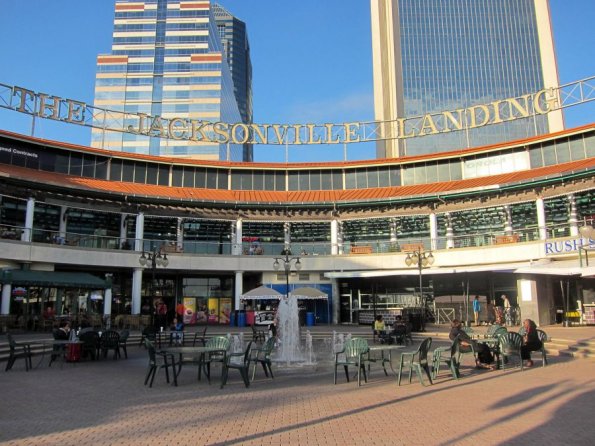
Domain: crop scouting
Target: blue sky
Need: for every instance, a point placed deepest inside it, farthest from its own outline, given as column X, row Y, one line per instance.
column 312, row 62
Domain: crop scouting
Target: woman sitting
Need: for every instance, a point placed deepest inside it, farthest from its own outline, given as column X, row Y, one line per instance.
column 531, row 342
column 484, row 356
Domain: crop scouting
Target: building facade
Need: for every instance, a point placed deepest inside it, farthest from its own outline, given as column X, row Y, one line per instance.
column 436, row 55
column 75, row 223
column 167, row 60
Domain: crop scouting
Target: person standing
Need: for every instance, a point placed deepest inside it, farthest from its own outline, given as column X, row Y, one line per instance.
column 507, row 315
column 476, row 309
column 490, row 311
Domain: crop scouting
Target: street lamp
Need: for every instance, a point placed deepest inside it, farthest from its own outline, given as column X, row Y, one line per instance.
column 287, row 266
column 420, row 259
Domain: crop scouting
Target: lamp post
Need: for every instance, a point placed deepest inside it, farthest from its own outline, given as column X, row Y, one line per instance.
column 420, row 259
column 153, row 260
column 286, row 261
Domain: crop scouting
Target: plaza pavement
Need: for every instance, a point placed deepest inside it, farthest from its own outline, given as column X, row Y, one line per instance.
column 105, row 403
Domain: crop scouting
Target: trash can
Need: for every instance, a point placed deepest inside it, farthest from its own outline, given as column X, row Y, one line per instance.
column 241, row 319
column 232, row 318
column 310, row 319
column 249, row 317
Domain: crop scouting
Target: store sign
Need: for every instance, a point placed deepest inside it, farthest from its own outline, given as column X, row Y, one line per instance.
column 182, row 128
column 566, row 246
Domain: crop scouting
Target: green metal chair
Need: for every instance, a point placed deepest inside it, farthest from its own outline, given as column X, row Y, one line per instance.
column 262, row 355
column 354, row 353
column 449, row 356
column 17, row 351
column 200, row 336
column 159, row 360
column 237, row 361
column 509, row 346
column 220, row 346
column 418, row 361
column 543, row 338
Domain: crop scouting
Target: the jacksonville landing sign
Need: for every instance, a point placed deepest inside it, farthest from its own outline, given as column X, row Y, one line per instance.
column 179, row 128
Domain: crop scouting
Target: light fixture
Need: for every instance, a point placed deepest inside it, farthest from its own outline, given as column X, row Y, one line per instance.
column 408, row 260
column 276, row 265
column 430, row 258
column 586, row 231
column 298, row 265
column 143, row 259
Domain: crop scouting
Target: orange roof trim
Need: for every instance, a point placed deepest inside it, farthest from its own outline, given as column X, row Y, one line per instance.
column 195, row 5
column 130, row 7
column 206, row 57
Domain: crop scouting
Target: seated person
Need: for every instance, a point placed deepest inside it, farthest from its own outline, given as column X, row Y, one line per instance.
column 531, row 342
column 484, row 356
column 177, row 328
column 379, row 327
column 63, row 332
column 399, row 330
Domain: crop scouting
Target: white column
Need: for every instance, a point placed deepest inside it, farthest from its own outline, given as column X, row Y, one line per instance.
column 433, row 231
column 6, row 290
column 28, row 232
column 123, row 232
column 334, row 237
column 573, row 216
column 107, row 302
column 287, row 235
column 508, row 218
column 393, row 230
column 137, row 280
column 450, row 242
column 180, row 232
column 541, row 218
column 239, row 286
column 63, row 221
column 140, row 231
column 340, row 239
column 237, row 241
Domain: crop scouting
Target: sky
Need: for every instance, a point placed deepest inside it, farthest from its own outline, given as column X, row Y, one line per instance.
column 312, row 62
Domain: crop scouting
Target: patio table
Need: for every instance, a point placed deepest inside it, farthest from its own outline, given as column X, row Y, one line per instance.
column 197, row 353
column 384, row 350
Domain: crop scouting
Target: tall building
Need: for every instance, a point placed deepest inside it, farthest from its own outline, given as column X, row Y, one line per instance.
column 236, row 48
column 440, row 55
column 167, row 60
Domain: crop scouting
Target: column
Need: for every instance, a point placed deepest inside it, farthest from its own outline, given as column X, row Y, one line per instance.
column 573, row 216
column 433, row 231
column 180, row 234
column 340, row 238
column 334, row 237
column 140, row 231
column 336, row 297
column 450, row 242
column 541, row 218
column 28, row 232
column 137, row 280
column 6, row 291
column 123, row 230
column 508, row 220
column 287, row 235
column 236, row 237
column 239, row 287
column 107, row 302
column 63, row 221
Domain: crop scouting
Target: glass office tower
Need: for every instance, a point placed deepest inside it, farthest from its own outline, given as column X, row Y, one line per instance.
column 441, row 55
column 236, row 48
column 167, row 60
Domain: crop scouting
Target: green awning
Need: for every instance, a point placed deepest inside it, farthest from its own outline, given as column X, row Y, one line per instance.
column 53, row 279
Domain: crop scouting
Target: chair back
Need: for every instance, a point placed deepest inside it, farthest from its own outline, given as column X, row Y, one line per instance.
column 499, row 332
column 149, row 333
column 110, row 339
column 90, row 338
column 11, row 342
column 492, row 330
column 424, row 347
column 151, row 350
column 510, row 342
column 244, row 360
column 124, row 334
column 355, row 347
column 268, row 347
column 542, row 336
column 522, row 330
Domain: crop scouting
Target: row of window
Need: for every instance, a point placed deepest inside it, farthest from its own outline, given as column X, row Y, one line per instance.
column 90, row 165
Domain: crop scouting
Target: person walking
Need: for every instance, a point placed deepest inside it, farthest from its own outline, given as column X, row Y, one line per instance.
column 476, row 310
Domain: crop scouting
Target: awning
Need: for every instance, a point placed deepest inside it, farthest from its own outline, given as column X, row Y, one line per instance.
column 308, row 292
column 413, row 271
column 261, row 293
column 559, row 268
column 53, row 279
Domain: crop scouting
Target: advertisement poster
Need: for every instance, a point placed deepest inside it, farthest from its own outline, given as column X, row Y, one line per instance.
column 224, row 310
column 189, row 310
column 213, row 306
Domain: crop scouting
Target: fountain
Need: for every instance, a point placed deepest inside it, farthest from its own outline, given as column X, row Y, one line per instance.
column 290, row 351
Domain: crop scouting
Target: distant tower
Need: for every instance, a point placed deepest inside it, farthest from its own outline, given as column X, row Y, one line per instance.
column 236, row 48
column 440, row 55
column 167, row 60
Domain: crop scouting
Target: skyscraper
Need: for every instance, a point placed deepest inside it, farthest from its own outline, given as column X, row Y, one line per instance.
column 236, row 48
column 167, row 60
column 439, row 55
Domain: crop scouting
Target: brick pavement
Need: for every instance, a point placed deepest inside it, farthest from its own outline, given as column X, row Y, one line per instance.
column 105, row 403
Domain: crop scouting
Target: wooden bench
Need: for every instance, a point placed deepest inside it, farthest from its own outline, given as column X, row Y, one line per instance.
column 364, row 249
column 502, row 239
